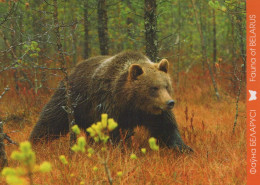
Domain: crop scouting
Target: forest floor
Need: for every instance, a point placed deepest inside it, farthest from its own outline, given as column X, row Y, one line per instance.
column 205, row 124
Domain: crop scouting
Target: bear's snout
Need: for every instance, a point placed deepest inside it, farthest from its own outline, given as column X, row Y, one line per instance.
column 170, row 104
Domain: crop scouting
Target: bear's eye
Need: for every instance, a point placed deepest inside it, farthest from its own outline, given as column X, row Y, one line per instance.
column 154, row 89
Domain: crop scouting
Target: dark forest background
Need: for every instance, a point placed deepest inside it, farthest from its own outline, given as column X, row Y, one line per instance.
column 187, row 32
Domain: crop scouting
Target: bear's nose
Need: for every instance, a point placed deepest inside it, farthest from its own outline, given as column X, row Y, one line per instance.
column 170, row 104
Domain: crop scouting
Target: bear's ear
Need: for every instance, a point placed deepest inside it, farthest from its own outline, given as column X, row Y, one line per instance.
column 135, row 70
column 164, row 65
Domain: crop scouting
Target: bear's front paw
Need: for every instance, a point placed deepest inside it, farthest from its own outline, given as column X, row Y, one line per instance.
column 184, row 148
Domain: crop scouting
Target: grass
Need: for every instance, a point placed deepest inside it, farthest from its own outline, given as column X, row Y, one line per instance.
column 205, row 124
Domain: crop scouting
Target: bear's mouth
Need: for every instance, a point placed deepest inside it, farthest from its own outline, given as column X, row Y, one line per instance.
column 157, row 110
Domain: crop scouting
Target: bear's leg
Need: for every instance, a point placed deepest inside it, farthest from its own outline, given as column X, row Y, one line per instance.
column 53, row 120
column 120, row 134
column 165, row 129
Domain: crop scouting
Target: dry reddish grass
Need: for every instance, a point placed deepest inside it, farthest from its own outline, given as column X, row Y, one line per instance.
column 205, row 124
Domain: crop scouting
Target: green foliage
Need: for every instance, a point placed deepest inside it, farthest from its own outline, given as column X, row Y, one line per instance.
column 143, row 150
column 95, row 168
column 63, row 159
column 235, row 4
column 100, row 130
column 216, row 5
column 100, row 133
column 13, row 176
column 119, row 174
column 34, row 42
column 27, row 167
column 91, row 151
column 76, row 129
column 111, row 125
column 26, row 156
column 80, row 146
column 31, row 61
column 45, row 167
column 133, row 156
column 152, row 144
column 32, row 50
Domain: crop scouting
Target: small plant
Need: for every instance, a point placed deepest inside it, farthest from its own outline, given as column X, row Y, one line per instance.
column 143, row 150
column 32, row 62
column 27, row 168
column 152, row 144
column 100, row 133
column 100, row 130
column 80, row 146
column 63, row 159
column 133, row 156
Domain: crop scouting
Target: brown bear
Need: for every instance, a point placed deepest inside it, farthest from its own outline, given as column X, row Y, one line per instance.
column 127, row 86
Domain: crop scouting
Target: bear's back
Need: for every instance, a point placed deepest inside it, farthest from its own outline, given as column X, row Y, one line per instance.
column 107, row 66
column 115, row 66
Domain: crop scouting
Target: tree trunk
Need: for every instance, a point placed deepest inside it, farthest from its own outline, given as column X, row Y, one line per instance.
column 74, row 45
column 64, row 31
column 62, row 61
column 102, row 27
column 204, row 50
column 179, row 43
column 38, row 23
column 214, row 41
column 129, row 20
column 242, row 45
column 73, row 36
column 234, row 55
column 21, row 32
column 86, row 31
column 13, row 28
column 150, row 24
column 3, row 158
column 201, row 26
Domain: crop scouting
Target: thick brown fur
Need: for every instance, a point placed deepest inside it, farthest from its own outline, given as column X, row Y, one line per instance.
column 128, row 87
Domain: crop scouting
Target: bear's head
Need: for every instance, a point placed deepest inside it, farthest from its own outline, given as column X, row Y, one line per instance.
column 151, row 87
